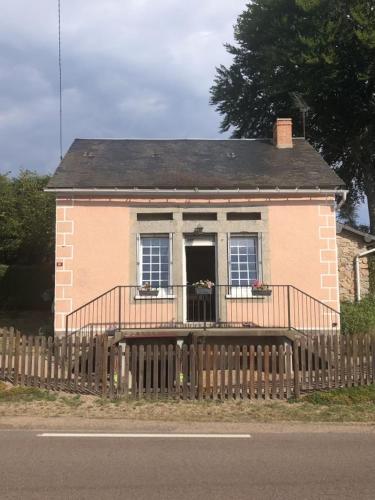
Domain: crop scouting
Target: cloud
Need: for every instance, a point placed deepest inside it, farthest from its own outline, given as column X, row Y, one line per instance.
column 134, row 68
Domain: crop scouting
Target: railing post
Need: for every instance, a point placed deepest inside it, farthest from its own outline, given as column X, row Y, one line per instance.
column 289, row 312
column 119, row 307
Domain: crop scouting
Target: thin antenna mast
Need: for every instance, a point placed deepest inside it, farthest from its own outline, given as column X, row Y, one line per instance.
column 300, row 103
column 60, row 81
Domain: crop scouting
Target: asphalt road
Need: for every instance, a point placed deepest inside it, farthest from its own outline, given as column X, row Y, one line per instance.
column 266, row 466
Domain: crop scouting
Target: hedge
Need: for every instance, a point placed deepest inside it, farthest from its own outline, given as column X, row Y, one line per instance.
column 26, row 287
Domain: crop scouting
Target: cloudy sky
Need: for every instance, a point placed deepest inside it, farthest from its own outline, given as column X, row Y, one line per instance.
column 131, row 68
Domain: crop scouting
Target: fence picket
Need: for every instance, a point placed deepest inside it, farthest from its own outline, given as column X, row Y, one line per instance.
column 29, row 380
column 244, row 372
column 259, row 371
column 349, row 354
column 178, row 372
column 323, row 360
column 104, row 365
column 192, row 372
column 119, row 370
column 207, row 394
column 274, row 372
column 23, row 359
column 56, row 361
column 266, row 371
column 368, row 360
column 148, row 371
column 185, row 372
column 36, row 361
column 141, row 367
column 336, row 360
column 200, row 372
column 303, row 363
column 355, row 361
column 222, row 373
column 215, row 360
column 329, row 361
column 281, row 371
column 16, row 357
column 126, row 371
column 43, row 363
column 83, row 363
column 10, row 354
column 4, row 341
column 163, row 367
column 112, row 360
column 49, row 361
column 296, row 368
column 230, row 371
column 69, row 363
column 288, row 366
column 134, row 353
column 316, row 363
column 310, row 362
column 170, row 370
column 252, row 371
column 90, row 362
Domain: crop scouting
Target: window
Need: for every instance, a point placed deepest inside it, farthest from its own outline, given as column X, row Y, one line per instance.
column 145, row 216
column 243, row 260
column 154, row 261
column 199, row 216
column 244, row 216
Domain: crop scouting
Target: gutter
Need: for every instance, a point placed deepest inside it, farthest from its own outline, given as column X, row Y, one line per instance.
column 357, row 273
column 197, row 192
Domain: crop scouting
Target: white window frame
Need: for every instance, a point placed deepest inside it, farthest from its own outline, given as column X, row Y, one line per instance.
column 243, row 292
column 164, row 293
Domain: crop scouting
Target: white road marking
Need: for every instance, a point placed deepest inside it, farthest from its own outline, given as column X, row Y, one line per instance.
column 143, row 435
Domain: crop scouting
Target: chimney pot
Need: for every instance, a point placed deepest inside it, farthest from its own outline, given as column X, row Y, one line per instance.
column 282, row 133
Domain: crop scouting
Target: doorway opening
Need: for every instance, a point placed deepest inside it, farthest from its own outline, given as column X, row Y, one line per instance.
column 200, row 265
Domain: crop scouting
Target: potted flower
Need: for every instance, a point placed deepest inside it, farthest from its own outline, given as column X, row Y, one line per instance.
column 146, row 290
column 203, row 287
column 260, row 289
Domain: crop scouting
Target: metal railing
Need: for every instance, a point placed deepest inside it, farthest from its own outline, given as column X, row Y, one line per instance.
column 181, row 306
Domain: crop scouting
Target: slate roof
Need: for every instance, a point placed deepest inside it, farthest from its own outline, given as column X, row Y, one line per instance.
column 189, row 164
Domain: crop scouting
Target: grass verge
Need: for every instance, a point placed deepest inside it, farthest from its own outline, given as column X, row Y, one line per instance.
column 339, row 406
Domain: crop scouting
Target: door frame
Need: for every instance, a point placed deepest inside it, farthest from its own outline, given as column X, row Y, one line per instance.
column 204, row 240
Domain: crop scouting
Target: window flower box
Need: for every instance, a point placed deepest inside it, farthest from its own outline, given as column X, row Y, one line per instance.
column 203, row 287
column 259, row 289
column 257, row 292
column 147, row 291
column 203, row 291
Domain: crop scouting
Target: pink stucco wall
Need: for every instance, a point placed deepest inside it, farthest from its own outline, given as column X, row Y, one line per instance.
column 93, row 246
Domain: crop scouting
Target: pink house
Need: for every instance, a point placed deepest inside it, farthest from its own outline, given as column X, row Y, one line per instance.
column 140, row 222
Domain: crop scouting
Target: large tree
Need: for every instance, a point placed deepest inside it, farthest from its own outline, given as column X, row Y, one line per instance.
column 322, row 49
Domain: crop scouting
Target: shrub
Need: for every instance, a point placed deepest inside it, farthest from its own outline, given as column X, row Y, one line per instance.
column 358, row 317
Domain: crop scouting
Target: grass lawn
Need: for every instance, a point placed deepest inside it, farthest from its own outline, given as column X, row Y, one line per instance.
column 341, row 406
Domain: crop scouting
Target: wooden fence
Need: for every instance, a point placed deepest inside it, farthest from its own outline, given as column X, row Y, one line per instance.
column 93, row 366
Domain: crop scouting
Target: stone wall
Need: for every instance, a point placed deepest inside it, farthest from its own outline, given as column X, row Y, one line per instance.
column 349, row 245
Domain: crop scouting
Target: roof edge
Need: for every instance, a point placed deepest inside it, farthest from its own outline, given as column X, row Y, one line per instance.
column 197, row 191
column 367, row 237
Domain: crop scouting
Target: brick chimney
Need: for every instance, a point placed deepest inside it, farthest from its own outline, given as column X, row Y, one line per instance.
column 282, row 133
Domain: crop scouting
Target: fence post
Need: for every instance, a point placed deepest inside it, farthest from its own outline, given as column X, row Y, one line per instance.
column 104, row 365
column 3, row 352
column 297, row 391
